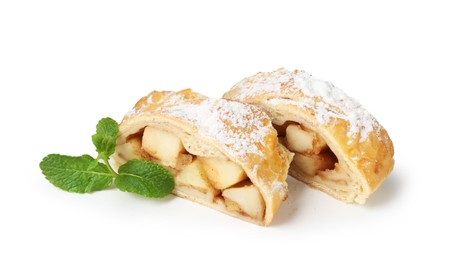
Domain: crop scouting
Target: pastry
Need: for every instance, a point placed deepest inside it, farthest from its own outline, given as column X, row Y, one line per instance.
column 223, row 154
column 339, row 147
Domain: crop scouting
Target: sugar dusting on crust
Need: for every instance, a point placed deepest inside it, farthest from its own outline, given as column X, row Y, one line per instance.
column 239, row 127
column 322, row 97
column 280, row 187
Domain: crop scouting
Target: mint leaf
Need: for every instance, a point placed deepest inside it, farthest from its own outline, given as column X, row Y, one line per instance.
column 145, row 178
column 105, row 137
column 72, row 173
column 92, row 164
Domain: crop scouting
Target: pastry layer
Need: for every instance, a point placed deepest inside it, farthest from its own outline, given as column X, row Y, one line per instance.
column 361, row 146
column 223, row 154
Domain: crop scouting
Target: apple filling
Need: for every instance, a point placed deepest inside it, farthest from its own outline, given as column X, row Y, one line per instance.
column 221, row 181
column 313, row 158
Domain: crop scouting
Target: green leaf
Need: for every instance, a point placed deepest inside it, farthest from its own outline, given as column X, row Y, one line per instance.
column 145, row 178
column 92, row 164
column 72, row 173
column 105, row 137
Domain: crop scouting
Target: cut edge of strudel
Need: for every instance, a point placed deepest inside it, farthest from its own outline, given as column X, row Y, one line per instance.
column 340, row 148
column 223, row 154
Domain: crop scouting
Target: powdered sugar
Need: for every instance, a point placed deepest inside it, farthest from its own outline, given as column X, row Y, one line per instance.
column 239, row 127
column 321, row 96
column 279, row 187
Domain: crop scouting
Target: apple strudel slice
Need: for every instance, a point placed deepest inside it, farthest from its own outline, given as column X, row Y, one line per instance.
column 339, row 147
column 223, row 154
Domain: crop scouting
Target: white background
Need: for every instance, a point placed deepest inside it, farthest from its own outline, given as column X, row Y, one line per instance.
column 66, row 64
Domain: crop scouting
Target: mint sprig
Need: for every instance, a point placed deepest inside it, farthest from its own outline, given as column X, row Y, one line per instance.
column 84, row 174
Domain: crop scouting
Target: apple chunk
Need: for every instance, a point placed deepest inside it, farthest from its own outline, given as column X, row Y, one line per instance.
column 311, row 164
column 162, row 145
column 281, row 129
column 298, row 140
column 222, row 173
column 193, row 175
column 302, row 140
column 132, row 149
column 246, row 199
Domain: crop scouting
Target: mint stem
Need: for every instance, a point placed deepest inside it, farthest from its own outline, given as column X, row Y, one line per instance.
column 106, row 161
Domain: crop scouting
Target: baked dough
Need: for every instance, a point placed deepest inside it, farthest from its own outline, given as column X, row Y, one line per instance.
column 339, row 147
column 223, row 154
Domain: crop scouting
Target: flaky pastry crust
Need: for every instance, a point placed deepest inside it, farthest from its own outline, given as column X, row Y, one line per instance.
column 216, row 128
column 361, row 145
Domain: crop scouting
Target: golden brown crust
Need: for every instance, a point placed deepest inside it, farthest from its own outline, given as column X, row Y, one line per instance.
column 216, row 128
column 362, row 145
